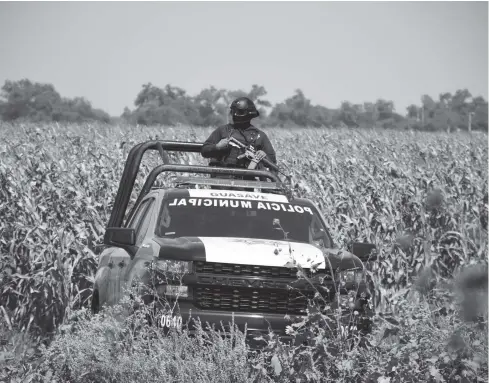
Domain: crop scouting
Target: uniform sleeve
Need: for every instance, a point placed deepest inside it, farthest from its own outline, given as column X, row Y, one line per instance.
column 209, row 149
column 267, row 147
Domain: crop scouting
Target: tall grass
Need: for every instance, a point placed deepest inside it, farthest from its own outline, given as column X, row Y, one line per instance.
column 420, row 197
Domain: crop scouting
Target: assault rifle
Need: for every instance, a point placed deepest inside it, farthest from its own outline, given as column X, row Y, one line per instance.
column 250, row 154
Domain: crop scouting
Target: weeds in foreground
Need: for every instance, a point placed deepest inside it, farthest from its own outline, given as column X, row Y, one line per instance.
column 421, row 198
column 428, row 341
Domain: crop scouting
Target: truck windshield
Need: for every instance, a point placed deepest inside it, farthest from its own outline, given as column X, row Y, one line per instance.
column 215, row 217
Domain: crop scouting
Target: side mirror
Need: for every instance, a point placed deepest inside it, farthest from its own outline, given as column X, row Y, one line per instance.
column 120, row 236
column 364, row 251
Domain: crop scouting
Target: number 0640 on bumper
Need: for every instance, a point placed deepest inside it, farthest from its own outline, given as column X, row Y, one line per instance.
column 171, row 321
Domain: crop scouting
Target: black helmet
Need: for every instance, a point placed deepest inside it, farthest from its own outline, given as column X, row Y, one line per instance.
column 244, row 109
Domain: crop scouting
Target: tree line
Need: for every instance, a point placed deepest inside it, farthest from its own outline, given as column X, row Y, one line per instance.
column 27, row 100
column 172, row 105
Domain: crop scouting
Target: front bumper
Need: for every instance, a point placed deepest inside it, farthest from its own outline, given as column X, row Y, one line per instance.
column 258, row 298
column 261, row 324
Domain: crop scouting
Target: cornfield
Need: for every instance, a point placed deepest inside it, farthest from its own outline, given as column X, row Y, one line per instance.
column 420, row 197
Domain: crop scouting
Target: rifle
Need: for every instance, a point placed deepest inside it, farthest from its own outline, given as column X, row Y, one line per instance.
column 250, row 154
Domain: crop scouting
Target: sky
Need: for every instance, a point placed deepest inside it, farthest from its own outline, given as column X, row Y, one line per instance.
column 332, row 51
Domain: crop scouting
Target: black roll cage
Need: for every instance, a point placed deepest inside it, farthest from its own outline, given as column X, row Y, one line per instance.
column 133, row 162
column 117, row 235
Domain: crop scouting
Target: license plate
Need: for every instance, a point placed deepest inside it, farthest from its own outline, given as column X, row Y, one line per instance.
column 171, row 321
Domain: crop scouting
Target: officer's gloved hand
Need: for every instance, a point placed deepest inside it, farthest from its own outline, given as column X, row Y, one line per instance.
column 260, row 155
column 255, row 162
column 222, row 144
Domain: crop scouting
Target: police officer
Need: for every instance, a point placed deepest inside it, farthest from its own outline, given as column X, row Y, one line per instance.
column 217, row 146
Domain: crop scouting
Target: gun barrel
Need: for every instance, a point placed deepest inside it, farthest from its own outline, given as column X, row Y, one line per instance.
column 270, row 164
column 239, row 143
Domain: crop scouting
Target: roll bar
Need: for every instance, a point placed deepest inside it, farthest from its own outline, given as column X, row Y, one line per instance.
column 131, row 169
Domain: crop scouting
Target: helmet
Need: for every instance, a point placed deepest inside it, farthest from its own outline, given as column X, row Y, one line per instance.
column 243, row 109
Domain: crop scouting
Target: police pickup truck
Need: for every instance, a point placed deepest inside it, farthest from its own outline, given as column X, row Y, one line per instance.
column 226, row 249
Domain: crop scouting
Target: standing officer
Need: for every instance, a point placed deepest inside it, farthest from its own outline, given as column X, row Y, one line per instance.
column 217, row 146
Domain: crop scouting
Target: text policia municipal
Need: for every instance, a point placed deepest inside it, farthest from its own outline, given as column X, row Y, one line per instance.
column 211, row 202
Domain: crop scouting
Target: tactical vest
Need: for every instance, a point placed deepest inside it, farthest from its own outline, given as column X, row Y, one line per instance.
column 247, row 136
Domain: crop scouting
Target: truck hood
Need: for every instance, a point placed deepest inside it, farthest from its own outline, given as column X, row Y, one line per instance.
column 242, row 251
column 262, row 252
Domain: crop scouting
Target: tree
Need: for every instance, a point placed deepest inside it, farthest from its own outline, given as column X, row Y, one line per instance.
column 446, row 99
column 211, row 107
column 460, row 101
column 256, row 95
column 126, row 114
column 480, row 109
column 149, row 95
column 168, row 106
column 299, row 111
column 385, row 109
column 427, row 109
column 349, row 113
column 41, row 102
column 412, row 111
column 370, row 114
column 295, row 109
column 24, row 99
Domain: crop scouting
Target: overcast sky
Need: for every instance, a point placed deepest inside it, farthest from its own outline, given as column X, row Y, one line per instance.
column 332, row 51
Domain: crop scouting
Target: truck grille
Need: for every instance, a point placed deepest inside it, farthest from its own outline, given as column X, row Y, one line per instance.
column 251, row 300
column 233, row 269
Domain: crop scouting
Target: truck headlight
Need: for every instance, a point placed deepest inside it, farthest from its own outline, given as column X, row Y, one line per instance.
column 165, row 271
column 173, row 290
column 172, row 266
column 347, row 300
column 169, row 274
column 354, row 276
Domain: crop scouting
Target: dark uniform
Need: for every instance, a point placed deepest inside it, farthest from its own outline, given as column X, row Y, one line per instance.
column 223, row 154
column 228, row 156
column 242, row 110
